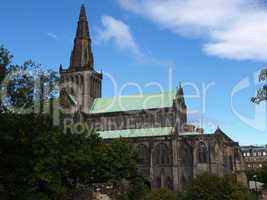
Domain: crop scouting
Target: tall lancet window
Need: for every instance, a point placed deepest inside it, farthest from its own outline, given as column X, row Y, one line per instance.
column 143, row 154
column 202, row 153
column 161, row 155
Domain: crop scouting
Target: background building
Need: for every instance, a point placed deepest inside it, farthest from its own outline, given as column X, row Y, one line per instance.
column 255, row 156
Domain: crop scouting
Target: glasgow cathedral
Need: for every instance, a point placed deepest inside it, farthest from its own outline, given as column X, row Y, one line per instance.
column 171, row 151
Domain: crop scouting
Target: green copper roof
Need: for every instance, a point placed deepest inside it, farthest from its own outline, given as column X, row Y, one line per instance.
column 133, row 102
column 190, row 134
column 132, row 133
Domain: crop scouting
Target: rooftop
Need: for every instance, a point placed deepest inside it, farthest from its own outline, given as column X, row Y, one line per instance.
column 133, row 102
column 133, row 133
column 254, row 148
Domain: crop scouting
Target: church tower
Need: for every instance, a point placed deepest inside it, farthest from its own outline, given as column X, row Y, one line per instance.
column 80, row 83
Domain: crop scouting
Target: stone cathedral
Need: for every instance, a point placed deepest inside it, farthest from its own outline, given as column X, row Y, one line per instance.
column 171, row 151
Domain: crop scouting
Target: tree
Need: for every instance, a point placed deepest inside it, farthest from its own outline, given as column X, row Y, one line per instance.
column 212, row 187
column 261, row 93
column 261, row 174
column 27, row 85
column 137, row 189
column 5, row 60
column 20, row 86
column 37, row 161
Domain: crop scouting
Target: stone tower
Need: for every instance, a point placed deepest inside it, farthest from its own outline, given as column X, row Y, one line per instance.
column 80, row 82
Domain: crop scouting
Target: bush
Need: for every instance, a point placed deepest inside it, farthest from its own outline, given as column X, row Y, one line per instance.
column 161, row 194
column 211, row 187
column 39, row 162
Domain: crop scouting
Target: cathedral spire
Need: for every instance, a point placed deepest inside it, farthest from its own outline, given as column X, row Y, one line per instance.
column 82, row 13
column 180, row 100
column 180, row 91
column 82, row 56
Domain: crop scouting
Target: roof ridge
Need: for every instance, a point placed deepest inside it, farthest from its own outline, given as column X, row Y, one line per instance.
column 133, row 102
column 137, row 95
column 131, row 133
column 139, row 129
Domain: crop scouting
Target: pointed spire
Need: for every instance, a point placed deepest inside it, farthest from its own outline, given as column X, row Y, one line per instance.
column 82, row 56
column 180, row 92
column 82, row 13
column 82, row 30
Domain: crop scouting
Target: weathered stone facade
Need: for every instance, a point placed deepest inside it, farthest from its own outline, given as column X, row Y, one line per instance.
column 171, row 151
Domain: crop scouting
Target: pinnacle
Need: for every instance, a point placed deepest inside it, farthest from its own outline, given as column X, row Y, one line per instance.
column 83, row 16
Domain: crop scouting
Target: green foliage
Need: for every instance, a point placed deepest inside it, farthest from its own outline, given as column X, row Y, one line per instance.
column 211, row 187
column 137, row 190
column 5, row 60
column 204, row 187
column 261, row 174
column 28, row 84
column 126, row 168
column 252, row 196
column 24, row 84
column 20, row 86
column 161, row 194
column 37, row 161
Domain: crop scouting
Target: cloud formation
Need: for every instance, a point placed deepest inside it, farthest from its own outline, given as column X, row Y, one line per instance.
column 119, row 32
column 233, row 29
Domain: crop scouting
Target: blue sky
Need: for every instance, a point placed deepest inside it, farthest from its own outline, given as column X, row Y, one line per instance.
column 140, row 41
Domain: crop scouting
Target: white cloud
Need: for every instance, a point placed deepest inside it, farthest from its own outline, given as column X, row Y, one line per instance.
column 235, row 29
column 119, row 32
column 52, row 35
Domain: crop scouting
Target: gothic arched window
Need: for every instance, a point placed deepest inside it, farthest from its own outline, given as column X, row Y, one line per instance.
column 186, row 155
column 81, row 78
column 67, row 82
column 82, row 83
column 143, row 154
column 217, row 152
column 77, row 80
column 161, row 155
column 203, row 153
column 231, row 165
column 72, row 92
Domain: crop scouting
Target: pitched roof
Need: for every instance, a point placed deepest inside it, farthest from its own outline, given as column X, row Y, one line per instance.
column 133, row 102
column 220, row 132
column 133, row 133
